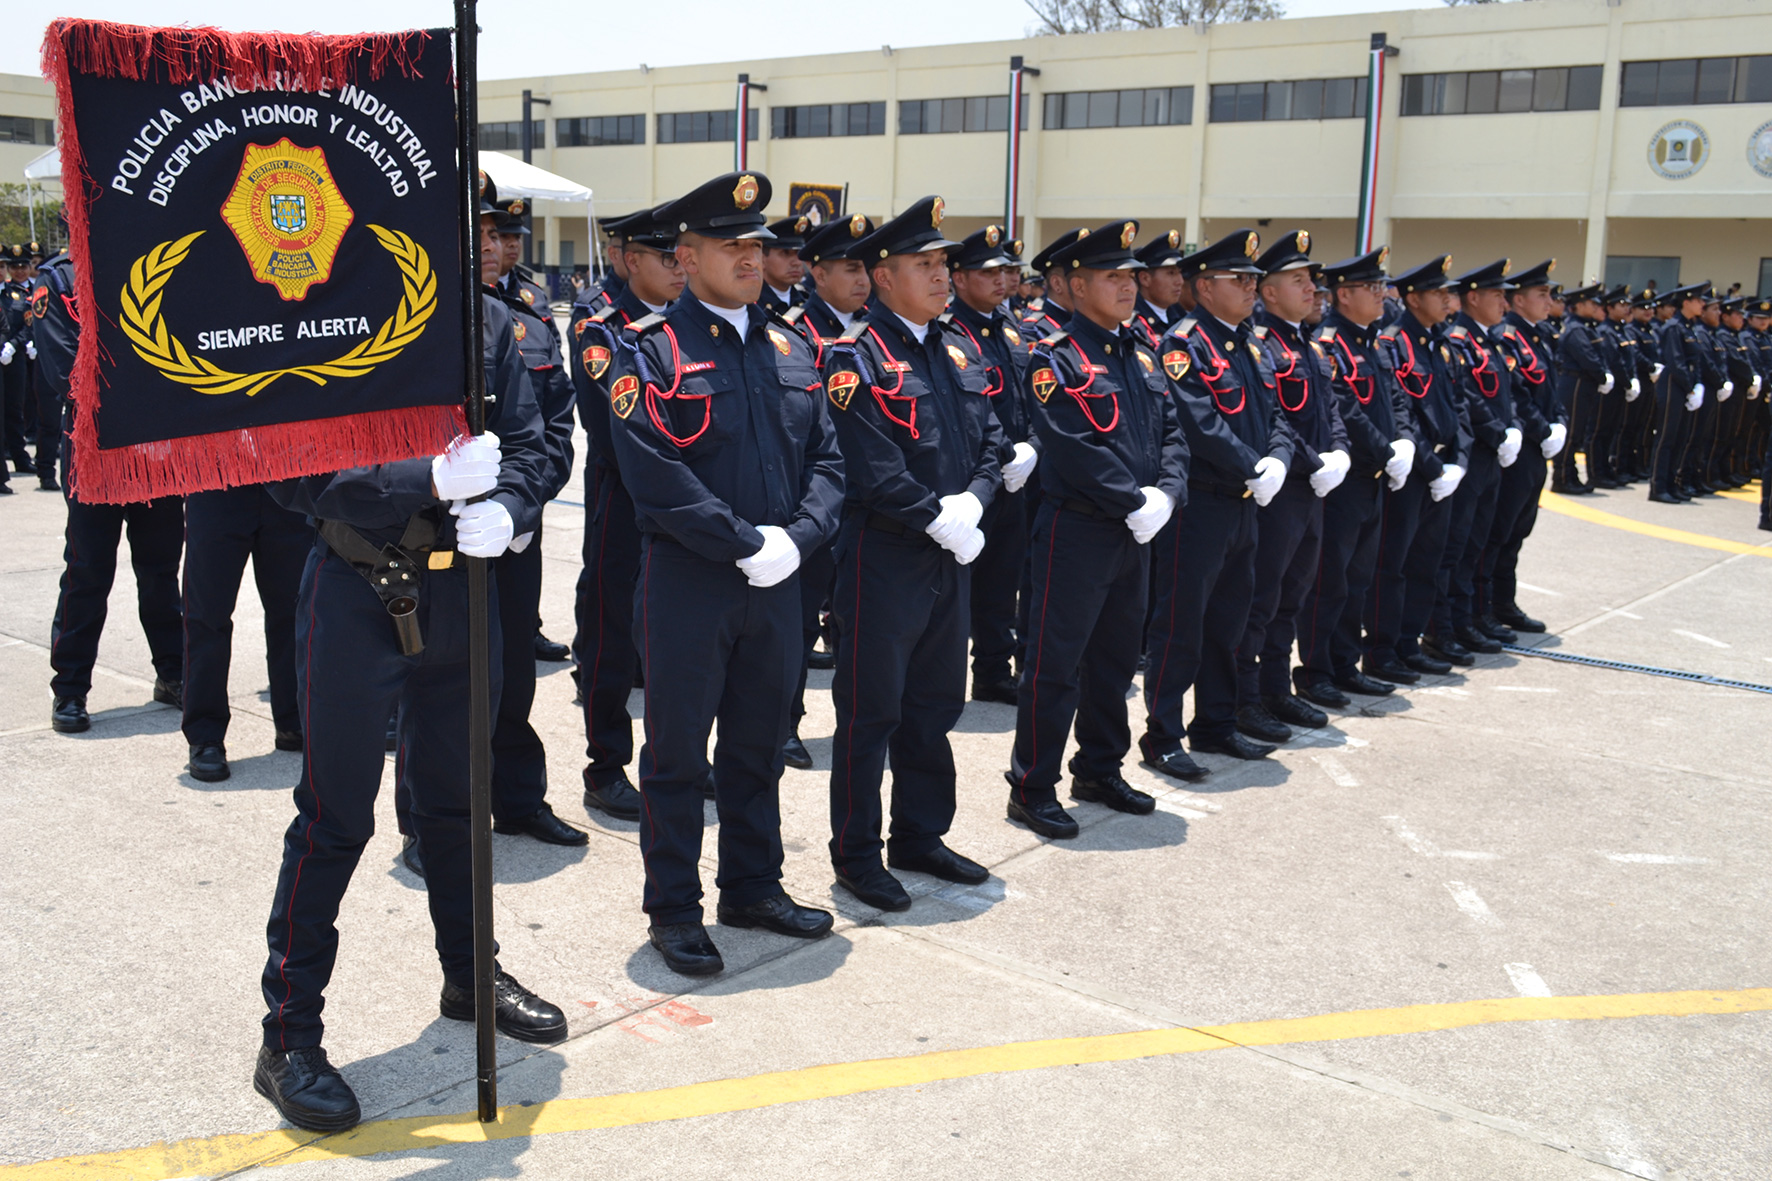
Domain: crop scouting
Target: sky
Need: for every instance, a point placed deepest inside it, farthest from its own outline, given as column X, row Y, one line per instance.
column 526, row 38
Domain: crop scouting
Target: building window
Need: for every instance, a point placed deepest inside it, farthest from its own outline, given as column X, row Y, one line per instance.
column 819, row 121
column 1312, row 98
column 1696, row 80
column 508, row 137
column 21, row 129
column 600, row 131
column 1150, row 107
column 1765, row 289
column 934, row 116
column 1487, row 92
column 1640, row 270
column 703, row 127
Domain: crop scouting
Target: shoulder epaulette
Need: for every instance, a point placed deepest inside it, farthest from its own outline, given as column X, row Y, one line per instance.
column 1261, row 332
column 946, row 319
column 1327, row 334
column 1186, row 325
column 1390, row 333
column 646, row 323
column 791, row 317
column 603, row 316
column 853, row 333
column 1457, row 332
column 1058, row 337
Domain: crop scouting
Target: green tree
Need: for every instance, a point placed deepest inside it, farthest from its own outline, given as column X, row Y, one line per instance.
column 1105, row 16
column 15, row 218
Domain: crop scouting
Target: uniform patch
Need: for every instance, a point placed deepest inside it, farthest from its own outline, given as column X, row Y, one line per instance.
column 958, row 355
column 780, row 342
column 1011, row 335
column 528, row 296
column 695, row 367
column 596, row 359
column 841, row 387
column 1176, row 362
column 519, row 330
column 1144, row 359
column 40, row 302
column 578, row 329
column 1045, row 381
column 623, row 394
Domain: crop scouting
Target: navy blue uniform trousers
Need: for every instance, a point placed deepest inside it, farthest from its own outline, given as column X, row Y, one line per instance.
column 1422, row 570
column 519, row 761
column 1473, row 514
column 1400, row 517
column 714, row 649
column 223, row 529
column 1329, row 619
column 901, row 604
column 604, row 644
column 16, row 380
column 818, row 572
column 1289, row 539
column 1085, row 631
column 996, row 585
column 156, row 538
column 1516, row 512
column 1673, row 437
column 1205, row 561
column 350, row 676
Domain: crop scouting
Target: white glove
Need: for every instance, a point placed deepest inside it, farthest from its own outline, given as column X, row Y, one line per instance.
column 1147, row 521
column 1402, row 460
column 482, row 529
column 1655, row 373
column 1017, row 470
column 1635, row 388
column 31, row 349
column 521, row 541
column 968, row 546
column 1554, row 443
column 1447, row 484
column 959, row 512
column 778, row 557
column 6, row 351
column 1754, row 390
column 1606, row 386
column 1695, row 399
column 1270, row 473
column 467, row 468
column 1724, row 390
column 1509, row 450
column 1328, row 478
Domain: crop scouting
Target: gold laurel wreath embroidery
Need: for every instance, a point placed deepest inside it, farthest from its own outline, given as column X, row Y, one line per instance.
column 146, row 327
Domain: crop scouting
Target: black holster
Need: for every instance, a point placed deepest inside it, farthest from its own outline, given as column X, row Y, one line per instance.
column 395, row 571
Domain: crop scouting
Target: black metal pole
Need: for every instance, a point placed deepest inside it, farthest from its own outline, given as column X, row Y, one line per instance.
column 467, row 117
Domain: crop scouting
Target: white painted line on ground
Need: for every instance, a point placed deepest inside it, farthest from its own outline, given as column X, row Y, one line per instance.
column 1468, row 855
column 1680, row 631
column 1654, row 859
column 1521, row 689
column 1339, row 775
column 1174, row 807
column 1445, row 691
column 1472, row 904
column 1527, row 982
column 1628, row 615
column 1540, row 590
column 1427, row 848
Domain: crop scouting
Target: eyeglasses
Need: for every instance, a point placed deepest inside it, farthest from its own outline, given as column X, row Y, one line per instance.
column 1247, row 281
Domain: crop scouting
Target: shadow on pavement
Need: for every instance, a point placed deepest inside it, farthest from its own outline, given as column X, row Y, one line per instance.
column 791, row 962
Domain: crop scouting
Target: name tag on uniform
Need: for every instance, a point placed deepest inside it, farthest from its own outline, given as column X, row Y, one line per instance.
column 1088, row 368
column 897, row 366
column 695, row 366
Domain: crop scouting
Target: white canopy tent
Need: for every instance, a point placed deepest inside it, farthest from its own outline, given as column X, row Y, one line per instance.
column 514, row 178
column 48, row 166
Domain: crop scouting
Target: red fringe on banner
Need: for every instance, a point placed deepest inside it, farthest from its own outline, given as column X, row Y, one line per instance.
column 286, row 61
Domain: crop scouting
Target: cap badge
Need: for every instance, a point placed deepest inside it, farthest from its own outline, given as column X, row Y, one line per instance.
column 800, row 226
column 1015, row 247
column 992, row 235
column 1302, row 243
column 1251, row 243
column 1127, row 233
column 517, row 207
column 1550, row 266
column 745, row 195
column 1507, row 264
column 858, row 225
column 1384, row 256
column 482, row 188
column 1174, row 239
column 1446, row 265
column 935, row 212
column 1081, row 234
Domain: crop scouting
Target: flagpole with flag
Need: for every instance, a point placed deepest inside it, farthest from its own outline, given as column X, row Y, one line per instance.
column 1012, row 173
column 1369, row 153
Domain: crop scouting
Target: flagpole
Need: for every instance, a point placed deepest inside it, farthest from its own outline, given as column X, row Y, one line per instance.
column 467, row 32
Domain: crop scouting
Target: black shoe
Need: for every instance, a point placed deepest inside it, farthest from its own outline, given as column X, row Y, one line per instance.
column 516, row 1012
column 47, row 482
column 780, row 914
column 1447, row 651
column 289, row 740
column 545, row 827
column 5, row 488
column 1355, row 681
column 1255, row 721
column 306, row 1089
column 1666, row 498
column 209, row 762
column 795, row 754
column 169, row 692
column 1294, row 712
column 1570, row 489
column 1112, row 791
column 1518, row 619
column 616, row 798
column 69, row 716
column 1422, row 663
column 1496, row 630
column 874, row 886
column 686, row 949
column 1388, row 668
column 1046, row 817
column 1320, row 690
column 1175, row 763
column 1232, row 744
column 999, row 689
column 23, row 466
column 941, row 862
column 821, row 660
column 410, row 856
column 1477, row 641
column 550, row 651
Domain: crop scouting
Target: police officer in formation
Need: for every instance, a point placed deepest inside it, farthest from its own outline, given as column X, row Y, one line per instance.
column 17, row 353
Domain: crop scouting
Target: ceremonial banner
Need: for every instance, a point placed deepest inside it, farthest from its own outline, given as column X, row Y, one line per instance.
column 818, row 203
column 267, row 255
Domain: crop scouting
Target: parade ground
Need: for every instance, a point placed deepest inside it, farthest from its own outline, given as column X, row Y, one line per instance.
column 1510, row 923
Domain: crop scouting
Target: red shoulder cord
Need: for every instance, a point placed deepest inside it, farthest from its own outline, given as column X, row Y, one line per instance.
column 653, row 393
column 992, row 391
column 1534, row 369
column 1280, row 379
column 880, row 395
column 1220, row 365
column 1082, row 392
column 1354, row 380
column 1412, row 370
column 1483, row 371
column 1145, row 325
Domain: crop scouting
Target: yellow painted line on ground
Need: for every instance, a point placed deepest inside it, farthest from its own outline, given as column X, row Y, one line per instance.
column 220, row 1154
column 1751, row 494
column 1581, row 512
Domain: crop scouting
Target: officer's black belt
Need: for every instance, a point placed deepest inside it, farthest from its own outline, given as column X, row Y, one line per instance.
column 1217, row 488
column 393, row 571
column 886, row 524
column 1084, row 508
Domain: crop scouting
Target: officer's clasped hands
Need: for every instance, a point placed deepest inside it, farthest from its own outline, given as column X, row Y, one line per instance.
column 1270, row 473
column 1509, row 448
column 1553, row 442
column 1447, row 482
column 467, row 468
column 960, row 512
column 1695, row 399
column 778, row 558
column 1725, row 390
column 1017, row 470
column 1634, row 390
column 1148, row 520
column 1397, row 467
column 1328, row 478
column 6, row 351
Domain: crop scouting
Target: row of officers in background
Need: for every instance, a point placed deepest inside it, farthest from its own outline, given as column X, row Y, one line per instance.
column 874, row 440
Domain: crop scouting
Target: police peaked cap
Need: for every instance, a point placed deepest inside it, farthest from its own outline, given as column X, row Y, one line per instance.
column 1106, row 248
column 1043, row 261
column 510, row 211
column 1710, row 293
column 34, row 250
column 729, row 206
column 790, row 232
column 489, row 196
column 1534, row 276
column 1591, row 291
column 837, row 239
column 1759, row 307
column 617, row 226
column 1680, row 295
column 14, row 255
column 1362, row 268
column 646, row 229
column 915, row 231
column 1290, row 253
column 1619, row 294
column 1490, row 276
column 1234, row 252
column 1162, row 251
column 1433, row 275
column 983, row 250
column 1556, row 291
column 1736, row 303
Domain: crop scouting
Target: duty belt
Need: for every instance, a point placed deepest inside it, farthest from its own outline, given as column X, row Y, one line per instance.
column 393, row 570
